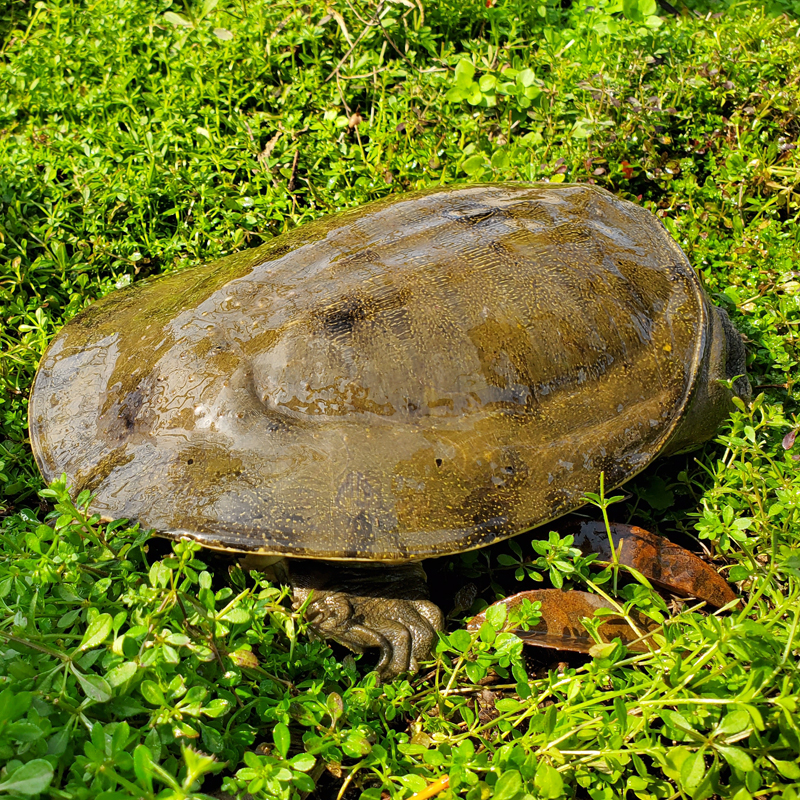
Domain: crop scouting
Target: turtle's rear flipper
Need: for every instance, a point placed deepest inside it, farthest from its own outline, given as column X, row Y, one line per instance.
column 364, row 605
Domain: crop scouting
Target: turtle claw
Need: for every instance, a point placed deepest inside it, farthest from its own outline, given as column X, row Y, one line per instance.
column 368, row 607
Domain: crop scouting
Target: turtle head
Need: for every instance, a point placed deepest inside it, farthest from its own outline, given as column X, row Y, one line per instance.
column 724, row 359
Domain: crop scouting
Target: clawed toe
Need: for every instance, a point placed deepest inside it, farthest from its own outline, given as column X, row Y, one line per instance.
column 403, row 635
column 363, row 612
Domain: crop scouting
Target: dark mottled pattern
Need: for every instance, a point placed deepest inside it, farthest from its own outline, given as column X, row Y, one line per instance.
column 424, row 375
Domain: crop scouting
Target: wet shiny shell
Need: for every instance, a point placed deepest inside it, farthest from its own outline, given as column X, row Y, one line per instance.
column 424, row 375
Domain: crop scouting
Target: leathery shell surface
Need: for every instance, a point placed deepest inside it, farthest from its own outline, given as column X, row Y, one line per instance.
column 424, row 375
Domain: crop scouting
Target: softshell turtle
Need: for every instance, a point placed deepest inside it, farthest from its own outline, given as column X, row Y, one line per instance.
column 424, row 375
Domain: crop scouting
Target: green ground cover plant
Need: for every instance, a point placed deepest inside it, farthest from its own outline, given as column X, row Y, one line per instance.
column 141, row 136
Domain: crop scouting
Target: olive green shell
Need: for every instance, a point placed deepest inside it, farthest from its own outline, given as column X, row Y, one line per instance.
column 423, row 375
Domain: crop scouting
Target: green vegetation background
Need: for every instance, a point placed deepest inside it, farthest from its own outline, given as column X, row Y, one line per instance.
column 139, row 136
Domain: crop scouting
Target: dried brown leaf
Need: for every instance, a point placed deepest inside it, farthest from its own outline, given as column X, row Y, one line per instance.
column 665, row 564
column 561, row 627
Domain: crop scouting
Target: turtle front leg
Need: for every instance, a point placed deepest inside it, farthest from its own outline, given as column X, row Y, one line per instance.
column 364, row 605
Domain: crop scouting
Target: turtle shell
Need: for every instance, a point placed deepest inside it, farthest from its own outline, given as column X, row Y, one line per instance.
column 424, row 375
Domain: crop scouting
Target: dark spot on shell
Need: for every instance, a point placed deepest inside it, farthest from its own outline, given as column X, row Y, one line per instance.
column 477, row 216
column 341, row 318
column 131, row 415
column 439, row 462
column 129, row 408
column 384, row 306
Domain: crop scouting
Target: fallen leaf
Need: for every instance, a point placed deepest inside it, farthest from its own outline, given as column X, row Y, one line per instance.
column 561, row 628
column 663, row 563
column 788, row 440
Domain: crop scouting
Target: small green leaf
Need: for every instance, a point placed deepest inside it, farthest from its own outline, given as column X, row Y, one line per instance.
column 734, row 722
column 487, row 633
column 415, row 783
column 500, row 160
column 282, row 739
column 13, row 706
column 95, row 687
column 496, row 615
column 121, row 674
column 526, row 77
column 303, row 782
column 152, row 693
column 737, row 757
column 177, row 19
column 738, row 573
column 676, row 720
column 303, row 762
column 23, row 732
column 455, row 95
column 464, row 72
column 69, row 618
column 476, row 672
column 153, row 745
column 433, row 758
column 460, row 640
column 212, row 739
column 789, row 769
column 216, row 708
column 639, row 10
column 693, row 770
column 31, row 778
column 335, row 705
column 602, row 649
column 97, row 632
column 549, row 781
column 237, row 615
column 508, row 785
column 356, row 744
column 473, row 164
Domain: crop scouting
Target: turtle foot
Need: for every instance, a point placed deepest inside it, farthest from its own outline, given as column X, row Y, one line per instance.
column 365, row 606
